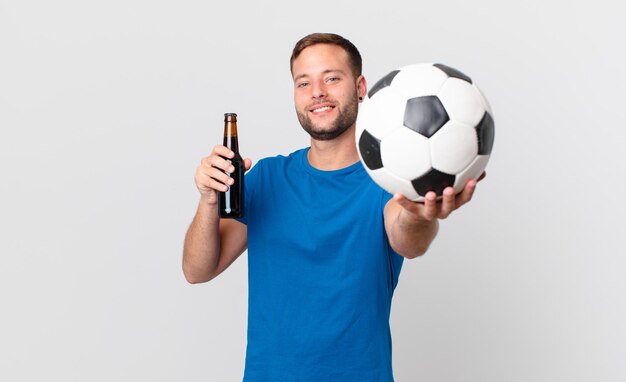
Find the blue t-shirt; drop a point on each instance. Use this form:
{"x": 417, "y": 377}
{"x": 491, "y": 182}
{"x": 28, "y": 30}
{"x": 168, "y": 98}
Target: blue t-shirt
{"x": 321, "y": 274}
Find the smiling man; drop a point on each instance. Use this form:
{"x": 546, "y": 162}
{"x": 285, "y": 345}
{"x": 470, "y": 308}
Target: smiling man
{"x": 325, "y": 243}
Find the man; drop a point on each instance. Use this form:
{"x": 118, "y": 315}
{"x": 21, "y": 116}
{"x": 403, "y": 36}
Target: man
{"x": 325, "y": 243}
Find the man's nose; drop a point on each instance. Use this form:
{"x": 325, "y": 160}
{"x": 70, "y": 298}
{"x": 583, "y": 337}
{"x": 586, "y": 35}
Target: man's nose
{"x": 319, "y": 89}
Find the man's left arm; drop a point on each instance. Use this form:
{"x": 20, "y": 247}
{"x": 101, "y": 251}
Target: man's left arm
{"x": 412, "y": 226}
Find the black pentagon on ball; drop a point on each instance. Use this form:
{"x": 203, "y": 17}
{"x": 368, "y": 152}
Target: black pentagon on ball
{"x": 433, "y": 180}
{"x": 369, "y": 146}
{"x": 382, "y": 83}
{"x": 425, "y": 115}
{"x": 485, "y": 131}
{"x": 451, "y": 72}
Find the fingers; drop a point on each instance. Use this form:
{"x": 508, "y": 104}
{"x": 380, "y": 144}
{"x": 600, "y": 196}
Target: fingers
{"x": 223, "y": 151}
{"x": 448, "y": 203}
{"x": 211, "y": 174}
{"x": 426, "y": 210}
{"x": 431, "y": 208}
{"x": 217, "y": 162}
{"x": 468, "y": 191}
{"x": 209, "y": 178}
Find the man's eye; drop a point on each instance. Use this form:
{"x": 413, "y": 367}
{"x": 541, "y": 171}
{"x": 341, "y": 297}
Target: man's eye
{"x": 332, "y": 79}
{"x": 303, "y": 84}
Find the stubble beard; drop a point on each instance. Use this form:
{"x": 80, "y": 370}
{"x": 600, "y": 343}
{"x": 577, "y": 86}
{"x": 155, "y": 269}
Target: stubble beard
{"x": 345, "y": 119}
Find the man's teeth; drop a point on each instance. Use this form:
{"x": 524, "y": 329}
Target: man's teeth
{"x": 321, "y": 109}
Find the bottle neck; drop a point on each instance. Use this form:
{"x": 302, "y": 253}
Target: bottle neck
{"x": 230, "y": 128}
{"x": 232, "y": 143}
{"x": 230, "y": 136}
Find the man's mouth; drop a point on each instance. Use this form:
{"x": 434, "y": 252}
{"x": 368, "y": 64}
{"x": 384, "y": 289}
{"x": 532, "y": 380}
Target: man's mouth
{"x": 321, "y": 108}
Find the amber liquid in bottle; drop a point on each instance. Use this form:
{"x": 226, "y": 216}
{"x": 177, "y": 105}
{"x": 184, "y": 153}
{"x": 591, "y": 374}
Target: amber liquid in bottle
{"x": 231, "y": 202}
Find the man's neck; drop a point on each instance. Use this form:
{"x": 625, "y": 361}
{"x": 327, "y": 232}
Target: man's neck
{"x": 335, "y": 154}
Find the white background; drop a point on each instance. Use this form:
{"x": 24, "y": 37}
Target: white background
{"x": 107, "y": 107}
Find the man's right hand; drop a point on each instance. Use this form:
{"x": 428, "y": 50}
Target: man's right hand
{"x": 211, "y": 174}
{"x": 211, "y": 243}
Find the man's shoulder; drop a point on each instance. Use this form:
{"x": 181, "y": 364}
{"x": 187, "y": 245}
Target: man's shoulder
{"x": 281, "y": 160}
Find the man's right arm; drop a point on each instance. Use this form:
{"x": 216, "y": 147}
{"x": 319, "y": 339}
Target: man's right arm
{"x": 212, "y": 244}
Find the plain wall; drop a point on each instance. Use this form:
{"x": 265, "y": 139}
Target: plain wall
{"x": 106, "y": 109}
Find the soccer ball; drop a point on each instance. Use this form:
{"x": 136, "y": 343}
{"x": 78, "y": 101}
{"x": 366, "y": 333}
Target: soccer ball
{"x": 422, "y": 128}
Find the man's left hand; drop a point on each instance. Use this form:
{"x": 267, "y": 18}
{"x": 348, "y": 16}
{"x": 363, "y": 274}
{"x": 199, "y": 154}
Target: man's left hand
{"x": 431, "y": 208}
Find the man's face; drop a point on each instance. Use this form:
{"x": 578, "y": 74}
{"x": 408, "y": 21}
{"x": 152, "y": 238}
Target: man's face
{"x": 325, "y": 91}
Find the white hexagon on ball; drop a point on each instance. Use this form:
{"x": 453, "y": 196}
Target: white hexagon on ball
{"x": 418, "y": 80}
{"x": 380, "y": 118}
{"x": 462, "y": 101}
{"x": 405, "y": 153}
{"x": 453, "y": 147}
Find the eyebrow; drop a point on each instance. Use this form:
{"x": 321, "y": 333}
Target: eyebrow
{"x": 324, "y": 72}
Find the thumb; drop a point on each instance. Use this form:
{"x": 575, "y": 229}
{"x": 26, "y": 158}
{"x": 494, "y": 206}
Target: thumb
{"x": 247, "y": 163}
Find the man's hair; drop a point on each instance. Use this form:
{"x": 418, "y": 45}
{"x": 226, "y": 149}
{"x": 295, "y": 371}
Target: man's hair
{"x": 329, "y": 38}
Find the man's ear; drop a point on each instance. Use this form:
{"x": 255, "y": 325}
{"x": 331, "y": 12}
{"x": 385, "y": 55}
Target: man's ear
{"x": 361, "y": 87}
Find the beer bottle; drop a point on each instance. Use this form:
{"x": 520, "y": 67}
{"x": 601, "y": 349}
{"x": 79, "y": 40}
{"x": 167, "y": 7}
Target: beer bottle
{"x": 231, "y": 202}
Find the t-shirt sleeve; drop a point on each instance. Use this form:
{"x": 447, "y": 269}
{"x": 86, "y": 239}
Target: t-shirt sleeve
{"x": 395, "y": 260}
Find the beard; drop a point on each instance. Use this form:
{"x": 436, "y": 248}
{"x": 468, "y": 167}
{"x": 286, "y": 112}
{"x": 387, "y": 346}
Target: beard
{"x": 345, "y": 119}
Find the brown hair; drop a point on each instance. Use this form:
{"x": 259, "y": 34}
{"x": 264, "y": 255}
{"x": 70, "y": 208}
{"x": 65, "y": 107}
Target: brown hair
{"x": 329, "y": 38}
